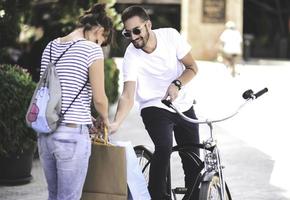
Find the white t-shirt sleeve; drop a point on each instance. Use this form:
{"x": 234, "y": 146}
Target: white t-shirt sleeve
{"x": 129, "y": 67}
{"x": 181, "y": 45}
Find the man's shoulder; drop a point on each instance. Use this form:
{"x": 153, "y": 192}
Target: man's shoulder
{"x": 165, "y": 30}
{"x": 167, "y": 33}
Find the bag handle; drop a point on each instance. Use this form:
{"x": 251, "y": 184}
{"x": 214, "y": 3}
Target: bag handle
{"x": 101, "y": 137}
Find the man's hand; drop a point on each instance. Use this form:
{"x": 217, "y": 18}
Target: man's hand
{"x": 114, "y": 126}
{"x": 171, "y": 93}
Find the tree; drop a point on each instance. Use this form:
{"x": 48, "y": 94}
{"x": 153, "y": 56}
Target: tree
{"x": 27, "y": 26}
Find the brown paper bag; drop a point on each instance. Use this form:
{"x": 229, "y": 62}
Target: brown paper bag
{"x": 106, "y": 178}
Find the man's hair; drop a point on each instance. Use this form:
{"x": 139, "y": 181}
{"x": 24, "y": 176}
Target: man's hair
{"x": 133, "y": 11}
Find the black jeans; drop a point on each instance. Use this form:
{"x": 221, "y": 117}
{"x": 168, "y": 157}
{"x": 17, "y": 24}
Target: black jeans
{"x": 160, "y": 124}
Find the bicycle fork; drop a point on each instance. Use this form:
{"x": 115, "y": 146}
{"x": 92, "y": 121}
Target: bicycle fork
{"x": 213, "y": 164}
{"x": 213, "y": 161}
{"x": 221, "y": 177}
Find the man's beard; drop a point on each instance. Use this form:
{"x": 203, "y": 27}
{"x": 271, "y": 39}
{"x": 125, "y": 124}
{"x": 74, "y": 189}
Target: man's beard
{"x": 142, "y": 41}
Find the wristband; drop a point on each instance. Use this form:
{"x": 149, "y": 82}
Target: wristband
{"x": 177, "y": 83}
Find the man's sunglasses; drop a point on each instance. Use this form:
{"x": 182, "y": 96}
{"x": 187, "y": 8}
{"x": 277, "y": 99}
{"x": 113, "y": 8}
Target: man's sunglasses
{"x": 136, "y": 31}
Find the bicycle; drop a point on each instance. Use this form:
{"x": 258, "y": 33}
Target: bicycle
{"x": 210, "y": 183}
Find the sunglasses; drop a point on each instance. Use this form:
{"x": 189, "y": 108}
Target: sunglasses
{"x": 136, "y": 31}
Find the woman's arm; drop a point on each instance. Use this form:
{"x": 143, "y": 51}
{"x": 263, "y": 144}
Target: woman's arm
{"x": 97, "y": 80}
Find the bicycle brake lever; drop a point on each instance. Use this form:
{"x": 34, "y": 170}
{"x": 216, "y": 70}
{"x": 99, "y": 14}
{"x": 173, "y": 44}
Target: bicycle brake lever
{"x": 248, "y": 94}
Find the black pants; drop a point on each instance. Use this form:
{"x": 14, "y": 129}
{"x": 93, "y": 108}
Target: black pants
{"x": 160, "y": 124}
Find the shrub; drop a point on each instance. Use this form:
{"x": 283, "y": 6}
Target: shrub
{"x": 16, "y": 89}
{"x": 111, "y": 80}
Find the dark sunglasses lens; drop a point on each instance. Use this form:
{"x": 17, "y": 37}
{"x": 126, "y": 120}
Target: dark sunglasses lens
{"x": 127, "y": 34}
{"x": 136, "y": 31}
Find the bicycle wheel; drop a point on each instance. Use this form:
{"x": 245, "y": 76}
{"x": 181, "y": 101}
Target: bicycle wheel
{"x": 144, "y": 156}
{"x": 211, "y": 190}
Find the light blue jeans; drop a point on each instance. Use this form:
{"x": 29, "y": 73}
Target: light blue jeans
{"x": 64, "y": 156}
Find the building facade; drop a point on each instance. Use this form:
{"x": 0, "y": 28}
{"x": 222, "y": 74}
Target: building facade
{"x": 204, "y": 20}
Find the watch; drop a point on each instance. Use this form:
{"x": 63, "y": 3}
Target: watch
{"x": 177, "y": 83}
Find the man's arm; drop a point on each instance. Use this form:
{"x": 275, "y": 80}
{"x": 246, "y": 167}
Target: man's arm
{"x": 190, "y": 69}
{"x": 125, "y": 104}
{"x": 189, "y": 72}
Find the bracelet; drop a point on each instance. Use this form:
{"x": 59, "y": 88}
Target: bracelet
{"x": 177, "y": 83}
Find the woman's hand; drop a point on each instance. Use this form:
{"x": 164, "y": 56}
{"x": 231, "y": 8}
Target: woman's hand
{"x": 99, "y": 125}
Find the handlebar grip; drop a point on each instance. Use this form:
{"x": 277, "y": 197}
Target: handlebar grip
{"x": 261, "y": 92}
{"x": 166, "y": 102}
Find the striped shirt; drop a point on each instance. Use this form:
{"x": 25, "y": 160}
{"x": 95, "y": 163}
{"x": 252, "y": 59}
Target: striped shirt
{"x": 73, "y": 71}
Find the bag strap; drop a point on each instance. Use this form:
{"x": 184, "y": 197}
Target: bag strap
{"x": 62, "y": 114}
{"x": 50, "y": 60}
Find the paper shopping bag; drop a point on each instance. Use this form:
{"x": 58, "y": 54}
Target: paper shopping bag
{"x": 106, "y": 177}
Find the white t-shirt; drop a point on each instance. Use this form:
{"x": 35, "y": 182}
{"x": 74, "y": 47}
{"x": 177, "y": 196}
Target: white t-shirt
{"x": 153, "y": 72}
{"x": 232, "y": 40}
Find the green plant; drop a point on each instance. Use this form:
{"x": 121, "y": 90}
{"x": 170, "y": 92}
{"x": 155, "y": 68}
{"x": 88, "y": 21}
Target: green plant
{"x": 111, "y": 80}
{"x": 16, "y": 89}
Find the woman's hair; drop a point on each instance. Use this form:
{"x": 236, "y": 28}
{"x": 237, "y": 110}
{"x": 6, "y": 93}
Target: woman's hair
{"x": 133, "y": 11}
{"x": 97, "y": 16}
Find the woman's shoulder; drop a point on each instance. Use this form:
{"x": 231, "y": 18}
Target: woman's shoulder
{"x": 88, "y": 47}
{"x": 83, "y": 43}
{"x": 89, "y": 44}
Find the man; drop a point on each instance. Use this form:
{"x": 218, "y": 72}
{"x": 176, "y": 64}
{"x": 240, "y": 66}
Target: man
{"x": 158, "y": 65}
{"x": 231, "y": 45}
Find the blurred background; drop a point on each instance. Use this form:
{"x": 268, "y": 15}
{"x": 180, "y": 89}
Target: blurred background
{"x": 26, "y": 26}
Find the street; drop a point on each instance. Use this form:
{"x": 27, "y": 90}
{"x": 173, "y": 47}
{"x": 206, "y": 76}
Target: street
{"x": 253, "y": 144}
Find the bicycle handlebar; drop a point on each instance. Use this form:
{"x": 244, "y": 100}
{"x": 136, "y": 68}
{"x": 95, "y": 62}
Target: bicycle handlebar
{"x": 248, "y": 95}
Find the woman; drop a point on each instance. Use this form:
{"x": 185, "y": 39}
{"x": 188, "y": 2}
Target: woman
{"x": 64, "y": 154}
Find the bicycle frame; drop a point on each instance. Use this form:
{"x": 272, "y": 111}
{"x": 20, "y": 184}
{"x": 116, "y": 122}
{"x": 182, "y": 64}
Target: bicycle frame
{"x": 212, "y": 162}
{"x": 212, "y": 159}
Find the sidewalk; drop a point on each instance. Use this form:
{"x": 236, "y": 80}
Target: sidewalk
{"x": 252, "y": 149}
{"x": 35, "y": 190}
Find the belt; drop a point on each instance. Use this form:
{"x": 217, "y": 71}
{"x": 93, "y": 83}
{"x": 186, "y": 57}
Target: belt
{"x": 71, "y": 125}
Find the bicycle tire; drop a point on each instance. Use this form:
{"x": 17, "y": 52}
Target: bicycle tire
{"x": 211, "y": 190}
{"x": 144, "y": 156}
